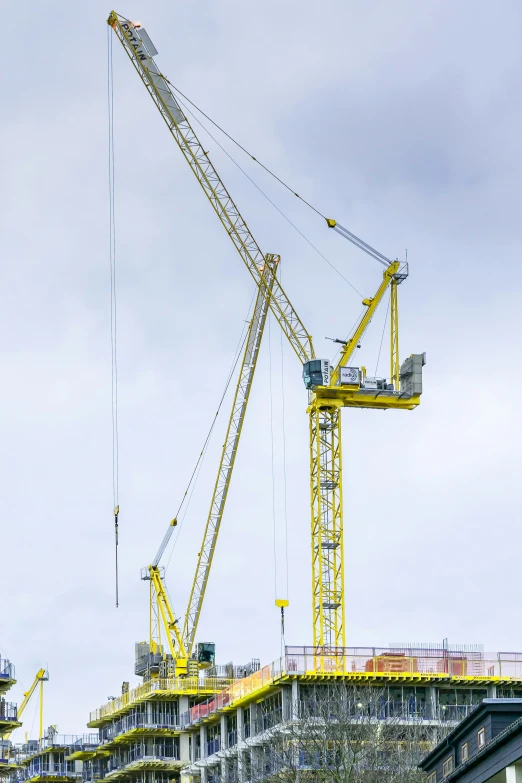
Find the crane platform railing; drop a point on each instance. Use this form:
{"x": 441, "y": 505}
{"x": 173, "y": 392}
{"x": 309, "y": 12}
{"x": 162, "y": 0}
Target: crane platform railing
{"x": 158, "y": 688}
{"x": 384, "y": 664}
{"x": 7, "y": 670}
{"x": 8, "y": 711}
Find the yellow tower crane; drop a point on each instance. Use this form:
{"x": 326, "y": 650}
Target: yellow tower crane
{"x": 41, "y": 676}
{"x": 179, "y": 643}
{"x": 330, "y": 389}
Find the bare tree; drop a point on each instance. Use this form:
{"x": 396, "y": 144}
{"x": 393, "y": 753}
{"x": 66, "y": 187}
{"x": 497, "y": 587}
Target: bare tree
{"x": 344, "y": 734}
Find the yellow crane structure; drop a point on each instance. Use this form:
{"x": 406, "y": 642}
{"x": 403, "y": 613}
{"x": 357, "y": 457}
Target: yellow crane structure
{"x": 330, "y": 389}
{"x": 180, "y": 642}
{"x": 42, "y": 675}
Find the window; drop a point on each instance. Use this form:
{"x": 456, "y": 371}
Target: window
{"x": 447, "y": 766}
{"x": 432, "y": 778}
{"x": 481, "y": 737}
{"x": 464, "y": 752}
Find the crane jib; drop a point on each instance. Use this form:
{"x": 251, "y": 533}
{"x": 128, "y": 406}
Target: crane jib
{"x": 134, "y": 42}
{"x": 210, "y": 181}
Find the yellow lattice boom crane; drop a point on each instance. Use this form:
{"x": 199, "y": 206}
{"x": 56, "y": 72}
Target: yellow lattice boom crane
{"x": 42, "y": 675}
{"x": 330, "y": 388}
{"x": 177, "y": 654}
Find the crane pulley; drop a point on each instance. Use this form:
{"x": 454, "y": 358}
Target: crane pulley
{"x": 330, "y": 390}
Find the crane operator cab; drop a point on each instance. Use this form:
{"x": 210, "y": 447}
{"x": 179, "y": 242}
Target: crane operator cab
{"x": 316, "y": 373}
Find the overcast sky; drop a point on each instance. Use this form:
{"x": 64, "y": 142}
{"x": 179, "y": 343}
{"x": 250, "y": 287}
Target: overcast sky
{"x": 402, "y": 121}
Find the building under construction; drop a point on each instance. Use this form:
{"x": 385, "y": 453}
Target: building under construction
{"x": 208, "y": 729}
{"x": 8, "y": 715}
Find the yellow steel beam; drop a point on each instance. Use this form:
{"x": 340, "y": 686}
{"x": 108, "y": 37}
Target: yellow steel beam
{"x": 394, "y": 336}
{"x": 41, "y": 676}
{"x": 362, "y": 398}
{"x": 209, "y": 179}
{"x": 327, "y": 527}
{"x": 170, "y": 624}
{"x": 229, "y": 450}
{"x": 325, "y": 440}
{"x": 371, "y": 304}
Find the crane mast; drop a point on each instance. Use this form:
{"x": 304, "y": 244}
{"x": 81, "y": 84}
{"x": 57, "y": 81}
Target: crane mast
{"x": 329, "y": 391}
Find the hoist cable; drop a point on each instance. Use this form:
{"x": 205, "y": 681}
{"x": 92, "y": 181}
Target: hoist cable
{"x": 245, "y": 150}
{"x": 112, "y": 264}
{"x": 272, "y": 453}
{"x": 187, "y": 495}
{"x": 278, "y": 209}
{"x": 285, "y": 504}
{"x": 353, "y": 238}
{"x": 382, "y": 338}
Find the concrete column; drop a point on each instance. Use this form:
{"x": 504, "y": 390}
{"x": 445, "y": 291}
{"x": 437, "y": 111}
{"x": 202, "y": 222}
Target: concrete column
{"x": 492, "y": 691}
{"x": 240, "y": 724}
{"x": 286, "y": 701}
{"x": 240, "y": 744}
{"x": 203, "y": 740}
{"x": 184, "y": 751}
{"x": 431, "y": 703}
{"x": 224, "y": 740}
{"x": 513, "y": 774}
{"x": 204, "y": 775}
{"x": 295, "y": 699}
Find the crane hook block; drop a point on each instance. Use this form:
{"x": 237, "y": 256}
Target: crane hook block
{"x": 116, "y": 510}
{"x": 331, "y": 223}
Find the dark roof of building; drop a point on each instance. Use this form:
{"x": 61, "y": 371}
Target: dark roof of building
{"x": 476, "y": 717}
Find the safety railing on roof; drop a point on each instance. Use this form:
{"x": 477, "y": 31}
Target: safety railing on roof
{"x": 147, "y": 689}
{"x": 237, "y": 690}
{"x": 7, "y": 669}
{"x": 69, "y": 742}
{"x": 140, "y": 721}
{"x": 77, "y": 742}
{"x": 8, "y": 711}
{"x": 365, "y": 662}
{"x": 436, "y": 663}
{"x": 46, "y": 769}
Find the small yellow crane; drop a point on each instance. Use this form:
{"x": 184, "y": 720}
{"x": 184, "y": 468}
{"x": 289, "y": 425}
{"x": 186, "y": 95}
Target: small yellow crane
{"x": 42, "y": 675}
{"x": 330, "y": 389}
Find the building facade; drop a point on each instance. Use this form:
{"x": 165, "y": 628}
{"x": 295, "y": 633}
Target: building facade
{"x": 217, "y": 730}
{"x": 8, "y": 716}
{"x": 485, "y": 746}
{"x": 55, "y": 758}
